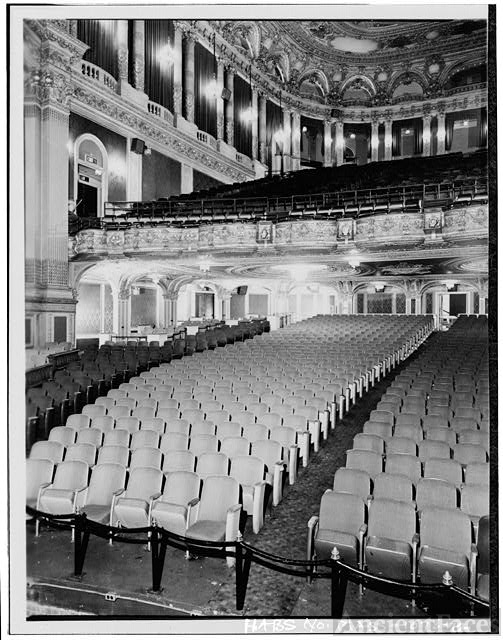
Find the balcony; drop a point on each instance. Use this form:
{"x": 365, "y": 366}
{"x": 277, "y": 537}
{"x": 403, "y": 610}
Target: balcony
{"x": 96, "y": 74}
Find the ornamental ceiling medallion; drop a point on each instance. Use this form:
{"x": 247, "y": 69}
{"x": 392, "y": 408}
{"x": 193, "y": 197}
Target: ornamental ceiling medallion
{"x": 405, "y": 268}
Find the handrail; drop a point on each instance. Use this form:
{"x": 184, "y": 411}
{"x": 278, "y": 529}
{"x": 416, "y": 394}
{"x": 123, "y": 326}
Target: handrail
{"x": 159, "y": 538}
{"x": 211, "y": 206}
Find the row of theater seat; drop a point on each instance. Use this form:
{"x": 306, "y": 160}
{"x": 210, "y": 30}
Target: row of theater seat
{"x": 49, "y": 404}
{"x": 203, "y": 507}
{"x": 451, "y": 495}
{"x": 243, "y": 364}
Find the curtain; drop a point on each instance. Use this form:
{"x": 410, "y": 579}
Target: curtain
{"x": 418, "y": 136}
{"x": 273, "y": 124}
{"x": 242, "y": 128}
{"x": 483, "y": 127}
{"x": 205, "y": 105}
{"x": 396, "y": 131}
{"x": 100, "y": 36}
{"x": 449, "y": 127}
{"x": 158, "y": 69}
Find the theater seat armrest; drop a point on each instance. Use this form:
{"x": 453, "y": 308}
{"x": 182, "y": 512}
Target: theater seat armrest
{"x": 362, "y": 532}
{"x": 232, "y": 528}
{"x": 192, "y": 511}
{"x": 41, "y": 490}
{"x": 258, "y": 505}
{"x": 293, "y": 454}
{"x": 415, "y": 545}
{"x": 151, "y": 500}
{"x": 115, "y": 497}
{"x": 312, "y": 528}
{"x": 277, "y": 483}
{"x": 474, "y": 553}
{"x": 79, "y": 497}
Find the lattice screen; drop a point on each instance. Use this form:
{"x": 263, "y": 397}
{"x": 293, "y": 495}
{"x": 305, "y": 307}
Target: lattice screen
{"x": 87, "y": 314}
{"x": 379, "y": 303}
{"x": 144, "y": 307}
{"x": 429, "y": 303}
{"x": 400, "y": 302}
{"x": 257, "y": 303}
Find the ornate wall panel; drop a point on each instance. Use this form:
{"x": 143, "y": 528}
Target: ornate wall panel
{"x": 87, "y": 317}
{"x": 469, "y": 221}
{"x": 407, "y": 227}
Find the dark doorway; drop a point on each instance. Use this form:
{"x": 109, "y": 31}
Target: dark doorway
{"x": 457, "y": 304}
{"x": 205, "y": 305}
{"x": 87, "y": 201}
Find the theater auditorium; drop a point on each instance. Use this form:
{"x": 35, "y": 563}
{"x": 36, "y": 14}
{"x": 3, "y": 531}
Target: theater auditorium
{"x": 256, "y": 318}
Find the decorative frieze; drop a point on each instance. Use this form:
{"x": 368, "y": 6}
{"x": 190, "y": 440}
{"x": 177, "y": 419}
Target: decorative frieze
{"x": 159, "y": 132}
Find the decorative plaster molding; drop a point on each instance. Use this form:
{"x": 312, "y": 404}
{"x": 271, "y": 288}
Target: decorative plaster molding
{"x": 161, "y": 132}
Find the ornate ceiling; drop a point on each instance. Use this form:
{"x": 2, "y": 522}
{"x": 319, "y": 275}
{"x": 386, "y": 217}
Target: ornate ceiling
{"x": 359, "y": 61}
{"x": 326, "y": 270}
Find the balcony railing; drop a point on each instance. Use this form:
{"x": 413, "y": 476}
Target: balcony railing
{"x": 206, "y": 138}
{"x": 357, "y": 203}
{"x": 97, "y": 74}
{"x": 159, "y": 111}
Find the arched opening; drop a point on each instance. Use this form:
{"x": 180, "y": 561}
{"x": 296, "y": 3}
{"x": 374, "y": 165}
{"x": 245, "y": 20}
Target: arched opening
{"x": 90, "y": 181}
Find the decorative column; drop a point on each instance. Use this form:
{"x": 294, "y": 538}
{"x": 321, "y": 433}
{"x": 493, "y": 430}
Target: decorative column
{"x": 427, "y": 135}
{"x": 374, "y": 140}
{"x": 388, "y": 139}
{"x": 254, "y": 123}
{"x": 295, "y": 164}
{"x": 262, "y": 128}
{"x": 166, "y": 301}
{"x": 229, "y": 107}
{"x": 121, "y": 312}
{"x": 134, "y": 163}
{"x": 220, "y": 101}
{"x": 339, "y": 142}
{"x": 327, "y": 139}
{"x": 139, "y": 54}
{"x": 122, "y": 51}
{"x": 440, "y": 132}
{"x": 49, "y": 53}
{"x": 102, "y": 308}
{"x": 189, "y": 76}
{"x": 287, "y": 140}
{"x": 226, "y": 299}
{"x": 160, "y": 317}
{"x": 177, "y": 70}
{"x": 187, "y": 179}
